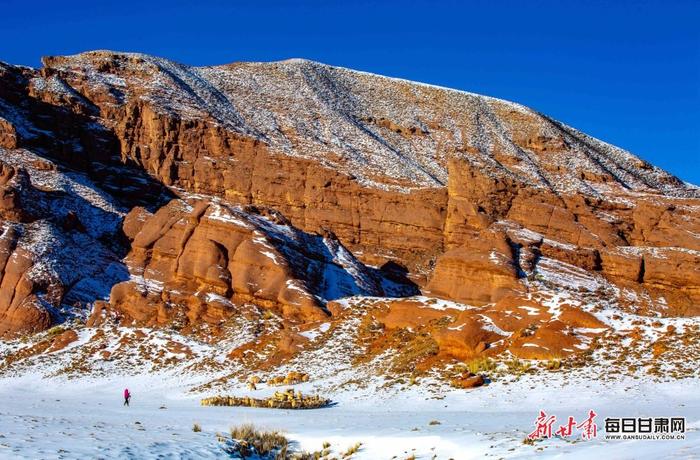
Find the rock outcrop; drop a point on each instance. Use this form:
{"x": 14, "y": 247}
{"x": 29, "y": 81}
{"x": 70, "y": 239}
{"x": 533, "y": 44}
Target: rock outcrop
{"x": 53, "y": 256}
{"x": 203, "y": 260}
{"x": 183, "y": 195}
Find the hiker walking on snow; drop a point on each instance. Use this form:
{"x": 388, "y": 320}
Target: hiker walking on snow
{"x": 127, "y": 396}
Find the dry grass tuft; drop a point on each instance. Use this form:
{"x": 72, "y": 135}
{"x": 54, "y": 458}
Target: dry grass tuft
{"x": 411, "y": 350}
{"x": 249, "y": 442}
{"x": 481, "y": 365}
{"x": 553, "y": 364}
{"x": 54, "y": 331}
{"x": 517, "y": 367}
{"x": 352, "y": 450}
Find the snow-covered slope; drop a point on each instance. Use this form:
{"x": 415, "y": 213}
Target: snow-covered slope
{"x": 85, "y": 419}
{"x": 189, "y": 231}
{"x": 384, "y": 131}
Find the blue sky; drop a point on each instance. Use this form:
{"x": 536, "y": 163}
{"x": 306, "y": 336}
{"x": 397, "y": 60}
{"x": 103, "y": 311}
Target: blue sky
{"x": 625, "y": 72}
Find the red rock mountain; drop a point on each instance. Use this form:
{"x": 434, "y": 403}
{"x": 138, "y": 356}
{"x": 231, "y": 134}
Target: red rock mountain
{"x": 153, "y": 192}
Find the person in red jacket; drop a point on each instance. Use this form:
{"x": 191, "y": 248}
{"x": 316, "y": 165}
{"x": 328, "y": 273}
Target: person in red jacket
{"x": 127, "y": 396}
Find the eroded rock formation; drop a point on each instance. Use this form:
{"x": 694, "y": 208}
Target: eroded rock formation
{"x": 294, "y": 180}
{"x": 212, "y": 258}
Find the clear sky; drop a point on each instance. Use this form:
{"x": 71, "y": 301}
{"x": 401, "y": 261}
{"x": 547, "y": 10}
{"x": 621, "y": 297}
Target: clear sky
{"x": 627, "y": 72}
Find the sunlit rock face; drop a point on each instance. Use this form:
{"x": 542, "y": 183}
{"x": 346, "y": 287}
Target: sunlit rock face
{"x": 164, "y": 193}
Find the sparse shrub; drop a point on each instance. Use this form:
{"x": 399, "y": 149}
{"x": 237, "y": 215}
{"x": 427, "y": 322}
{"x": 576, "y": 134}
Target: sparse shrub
{"x": 481, "y": 364}
{"x": 54, "y": 331}
{"x": 249, "y": 442}
{"x": 324, "y": 453}
{"x": 517, "y": 366}
{"x": 434, "y": 422}
{"x": 196, "y": 427}
{"x": 414, "y": 348}
{"x": 352, "y": 450}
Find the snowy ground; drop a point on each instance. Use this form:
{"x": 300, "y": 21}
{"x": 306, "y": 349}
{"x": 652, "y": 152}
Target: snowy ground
{"x": 54, "y": 418}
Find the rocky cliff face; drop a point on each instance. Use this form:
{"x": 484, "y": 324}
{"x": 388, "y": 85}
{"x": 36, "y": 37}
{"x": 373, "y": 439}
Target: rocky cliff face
{"x": 212, "y": 259}
{"x": 174, "y": 194}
